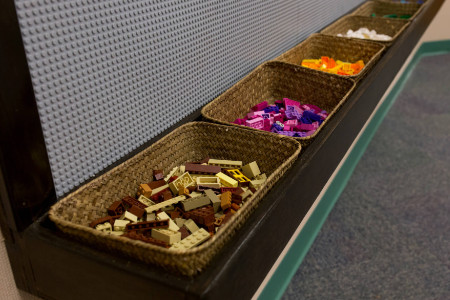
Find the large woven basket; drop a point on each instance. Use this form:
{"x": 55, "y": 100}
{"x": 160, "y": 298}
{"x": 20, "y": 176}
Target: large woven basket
{"x": 190, "y": 142}
{"x": 390, "y": 27}
{"x": 338, "y": 48}
{"x": 274, "y": 81}
{"x": 381, "y": 8}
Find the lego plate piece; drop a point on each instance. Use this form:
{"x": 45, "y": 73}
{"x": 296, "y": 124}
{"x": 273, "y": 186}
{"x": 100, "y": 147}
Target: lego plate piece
{"x": 192, "y": 240}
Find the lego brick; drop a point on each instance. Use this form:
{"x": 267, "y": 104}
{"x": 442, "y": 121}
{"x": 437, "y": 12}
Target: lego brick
{"x": 109, "y": 219}
{"x": 156, "y": 184}
{"x": 176, "y": 213}
{"x": 202, "y": 216}
{"x": 116, "y": 209}
{"x": 190, "y": 225}
{"x": 158, "y": 175}
{"x": 215, "y": 201}
{"x": 171, "y": 173}
{"x": 227, "y": 180}
{"x": 164, "y": 204}
{"x": 130, "y": 201}
{"x": 165, "y": 216}
{"x": 130, "y": 216}
{"x": 251, "y": 170}
{"x": 201, "y": 169}
{"x": 166, "y": 235}
{"x": 257, "y": 183}
{"x": 225, "y": 200}
{"x": 192, "y": 203}
{"x": 159, "y": 189}
{"x": 145, "y": 201}
{"x": 234, "y": 206}
{"x": 212, "y": 182}
{"x": 145, "y": 190}
{"x": 225, "y": 163}
{"x": 118, "y": 233}
{"x": 140, "y": 237}
{"x": 147, "y": 225}
{"x": 180, "y": 221}
{"x": 184, "y": 180}
{"x": 237, "y": 175}
{"x": 193, "y": 240}
{"x": 262, "y": 176}
{"x": 184, "y": 232}
{"x": 119, "y": 225}
{"x": 104, "y": 227}
{"x": 137, "y": 211}
{"x": 151, "y": 217}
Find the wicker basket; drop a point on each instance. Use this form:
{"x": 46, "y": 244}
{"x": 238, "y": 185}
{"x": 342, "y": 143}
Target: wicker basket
{"x": 390, "y": 27}
{"x": 276, "y": 80}
{"x": 190, "y": 142}
{"x": 338, "y": 48}
{"x": 381, "y": 8}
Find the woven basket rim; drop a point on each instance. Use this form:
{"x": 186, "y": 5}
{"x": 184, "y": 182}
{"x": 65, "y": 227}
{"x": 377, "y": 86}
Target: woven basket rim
{"x": 248, "y": 77}
{"x": 376, "y": 2}
{"x": 53, "y": 215}
{"x": 405, "y": 23}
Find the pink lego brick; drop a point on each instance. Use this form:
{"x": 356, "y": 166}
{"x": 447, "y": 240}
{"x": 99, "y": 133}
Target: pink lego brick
{"x": 288, "y": 101}
{"x": 306, "y": 127}
{"x": 288, "y": 128}
{"x": 267, "y": 124}
{"x": 255, "y": 114}
{"x": 257, "y": 123}
{"x": 260, "y": 106}
{"x": 277, "y": 117}
{"x": 239, "y": 121}
{"x": 298, "y": 109}
{"x": 315, "y": 124}
{"x": 292, "y": 123}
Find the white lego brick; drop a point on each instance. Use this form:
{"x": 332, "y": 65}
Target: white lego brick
{"x": 191, "y": 226}
{"x": 164, "y": 216}
{"x": 180, "y": 221}
{"x": 166, "y": 235}
{"x": 192, "y": 240}
{"x": 130, "y": 216}
{"x": 251, "y": 170}
{"x": 151, "y": 217}
{"x": 193, "y": 203}
{"x": 144, "y": 200}
{"x": 164, "y": 204}
{"x": 119, "y": 225}
{"x": 215, "y": 201}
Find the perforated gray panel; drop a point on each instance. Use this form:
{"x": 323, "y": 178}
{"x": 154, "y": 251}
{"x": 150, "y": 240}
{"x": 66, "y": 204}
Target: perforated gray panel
{"x": 109, "y": 75}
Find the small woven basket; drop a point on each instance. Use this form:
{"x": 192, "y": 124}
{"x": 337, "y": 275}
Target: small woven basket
{"x": 190, "y": 142}
{"x": 277, "y": 80}
{"x": 338, "y": 48}
{"x": 381, "y": 8}
{"x": 390, "y": 27}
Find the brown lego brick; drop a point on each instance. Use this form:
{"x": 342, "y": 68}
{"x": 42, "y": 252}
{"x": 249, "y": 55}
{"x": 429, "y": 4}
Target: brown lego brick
{"x": 202, "y": 216}
{"x": 145, "y": 190}
{"x": 159, "y": 197}
{"x": 234, "y": 206}
{"x": 158, "y": 175}
{"x": 173, "y": 178}
{"x": 184, "y": 232}
{"x": 141, "y": 237}
{"x": 228, "y": 189}
{"x": 116, "y": 209}
{"x": 109, "y": 219}
{"x": 147, "y": 225}
{"x": 130, "y": 201}
{"x": 156, "y": 184}
{"x": 137, "y": 211}
{"x": 202, "y": 169}
{"x": 176, "y": 213}
{"x": 227, "y": 217}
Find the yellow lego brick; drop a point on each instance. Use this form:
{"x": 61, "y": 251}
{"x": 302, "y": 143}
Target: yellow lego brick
{"x": 227, "y": 180}
{"x": 237, "y": 175}
{"x": 192, "y": 240}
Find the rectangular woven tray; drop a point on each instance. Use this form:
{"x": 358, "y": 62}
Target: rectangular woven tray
{"x": 274, "y": 81}
{"x": 190, "y": 142}
{"x": 381, "y": 8}
{"x": 338, "y": 48}
{"x": 390, "y": 27}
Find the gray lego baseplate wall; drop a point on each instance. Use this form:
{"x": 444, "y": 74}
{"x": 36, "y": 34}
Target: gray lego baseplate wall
{"x": 109, "y": 75}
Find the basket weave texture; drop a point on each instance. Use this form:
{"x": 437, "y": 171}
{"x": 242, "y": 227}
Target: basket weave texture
{"x": 381, "y": 8}
{"x": 277, "y": 80}
{"x": 338, "y": 48}
{"x": 390, "y": 27}
{"x": 190, "y": 142}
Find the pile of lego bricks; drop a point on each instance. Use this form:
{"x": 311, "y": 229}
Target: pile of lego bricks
{"x": 186, "y": 207}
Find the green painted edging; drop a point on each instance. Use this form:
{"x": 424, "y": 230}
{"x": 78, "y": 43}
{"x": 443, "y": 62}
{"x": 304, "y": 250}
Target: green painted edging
{"x": 289, "y": 265}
